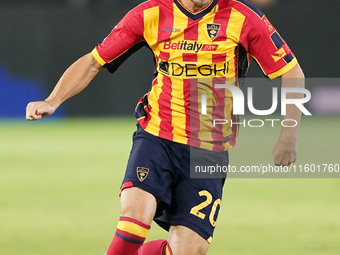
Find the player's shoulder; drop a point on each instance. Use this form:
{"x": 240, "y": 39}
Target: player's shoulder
{"x": 245, "y": 8}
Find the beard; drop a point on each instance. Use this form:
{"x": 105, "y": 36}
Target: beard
{"x": 200, "y": 3}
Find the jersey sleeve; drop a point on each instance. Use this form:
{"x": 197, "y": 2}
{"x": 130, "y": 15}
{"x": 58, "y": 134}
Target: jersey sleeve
{"x": 266, "y": 46}
{"x": 126, "y": 38}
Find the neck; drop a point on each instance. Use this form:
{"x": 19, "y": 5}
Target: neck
{"x": 195, "y": 5}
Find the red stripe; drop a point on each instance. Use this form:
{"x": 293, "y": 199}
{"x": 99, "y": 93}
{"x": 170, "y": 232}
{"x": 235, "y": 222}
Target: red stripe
{"x": 123, "y": 218}
{"x": 218, "y": 113}
{"x": 148, "y": 109}
{"x": 164, "y": 104}
{"x": 232, "y": 141}
{"x": 129, "y": 235}
{"x": 189, "y": 57}
{"x": 194, "y": 123}
{"x": 234, "y": 118}
{"x": 218, "y": 110}
{"x": 191, "y": 32}
{"x": 126, "y": 185}
{"x": 221, "y": 18}
{"x": 166, "y": 21}
{"x": 164, "y": 55}
{"x": 217, "y": 58}
{"x": 186, "y": 97}
{"x": 165, "y": 112}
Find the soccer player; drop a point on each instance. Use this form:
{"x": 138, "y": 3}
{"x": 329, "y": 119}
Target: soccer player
{"x": 195, "y": 42}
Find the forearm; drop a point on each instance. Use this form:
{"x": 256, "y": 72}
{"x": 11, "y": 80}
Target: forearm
{"x": 293, "y": 79}
{"x": 285, "y": 150}
{"x": 74, "y": 80}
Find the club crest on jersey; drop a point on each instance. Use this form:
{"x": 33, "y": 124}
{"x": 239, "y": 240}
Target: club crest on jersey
{"x": 213, "y": 30}
{"x": 142, "y": 173}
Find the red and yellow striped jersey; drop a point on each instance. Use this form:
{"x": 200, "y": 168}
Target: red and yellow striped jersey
{"x": 193, "y": 52}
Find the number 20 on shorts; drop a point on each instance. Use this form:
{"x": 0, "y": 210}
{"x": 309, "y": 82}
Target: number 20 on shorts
{"x": 196, "y": 209}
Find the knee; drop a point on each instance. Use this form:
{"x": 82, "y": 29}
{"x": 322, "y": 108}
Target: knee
{"x": 197, "y": 250}
{"x": 184, "y": 241}
{"x": 138, "y": 204}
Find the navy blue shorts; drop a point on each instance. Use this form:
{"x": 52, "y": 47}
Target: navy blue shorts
{"x": 161, "y": 167}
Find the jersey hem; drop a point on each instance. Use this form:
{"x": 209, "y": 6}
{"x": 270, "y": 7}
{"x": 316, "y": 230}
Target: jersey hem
{"x": 283, "y": 70}
{"x": 185, "y": 140}
{"x": 97, "y": 57}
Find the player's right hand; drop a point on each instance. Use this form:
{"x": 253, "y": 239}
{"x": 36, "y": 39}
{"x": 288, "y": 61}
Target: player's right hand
{"x": 39, "y": 109}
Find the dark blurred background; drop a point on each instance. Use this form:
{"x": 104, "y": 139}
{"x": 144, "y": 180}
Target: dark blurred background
{"x": 39, "y": 39}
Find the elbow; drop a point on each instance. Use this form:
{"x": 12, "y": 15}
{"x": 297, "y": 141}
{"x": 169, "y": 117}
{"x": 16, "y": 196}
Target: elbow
{"x": 94, "y": 64}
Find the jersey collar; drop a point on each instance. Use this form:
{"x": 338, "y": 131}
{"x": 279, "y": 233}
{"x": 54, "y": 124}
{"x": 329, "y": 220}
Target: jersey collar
{"x": 196, "y": 15}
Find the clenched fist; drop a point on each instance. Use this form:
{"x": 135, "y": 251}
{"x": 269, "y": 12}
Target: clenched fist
{"x": 285, "y": 153}
{"x": 39, "y": 109}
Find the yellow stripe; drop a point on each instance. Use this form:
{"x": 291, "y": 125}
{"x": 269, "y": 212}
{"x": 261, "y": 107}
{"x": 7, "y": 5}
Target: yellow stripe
{"x": 167, "y": 251}
{"x": 181, "y": 22}
{"x": 178, "y": 113}
{"x": 151, "y": 18}
{"x": 132, "y": 228}
{"x": 97, "y": 57}
{"x": 228, "y": 106}
{"x": 283, "y": 70}
{"x": 227, "y": 146}
{"x": 235, "y": 25}
{"x": 207, "y": 146}
{"x": 206, "y": 124}
{"x": 177, "y": 94}
{"x": 234, "y": 29}
{"x": 153, "y": 126}
{"x": 209, "y": 239}
{"x": 203, "y": 37}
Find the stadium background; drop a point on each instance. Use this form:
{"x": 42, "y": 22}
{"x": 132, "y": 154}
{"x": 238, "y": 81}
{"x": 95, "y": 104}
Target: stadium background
{"x": 59, "y": 177}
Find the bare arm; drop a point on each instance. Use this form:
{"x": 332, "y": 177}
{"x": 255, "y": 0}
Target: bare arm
{"x": 74, "y": 80}
{"x": 285, "y": 150}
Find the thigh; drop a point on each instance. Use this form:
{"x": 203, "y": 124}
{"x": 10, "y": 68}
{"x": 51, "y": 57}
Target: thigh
{"x": 148, "y": 177}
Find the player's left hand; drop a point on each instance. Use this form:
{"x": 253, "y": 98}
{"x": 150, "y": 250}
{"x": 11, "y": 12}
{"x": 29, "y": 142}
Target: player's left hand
{"x": 285, "y": 153}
